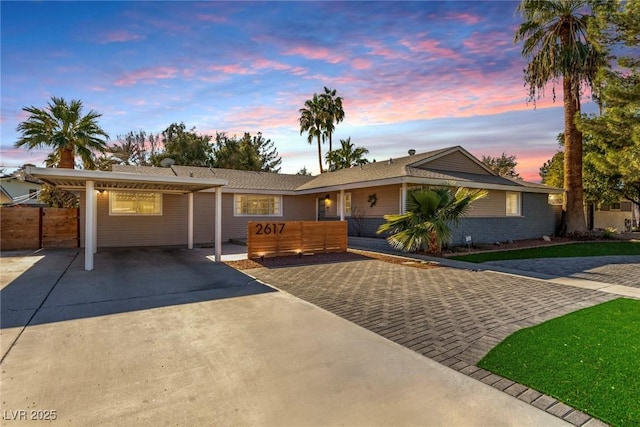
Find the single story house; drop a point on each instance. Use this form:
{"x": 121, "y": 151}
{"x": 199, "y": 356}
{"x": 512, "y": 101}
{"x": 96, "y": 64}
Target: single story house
{"x": 184, "y": 205}
{"x": 19, "y": 191}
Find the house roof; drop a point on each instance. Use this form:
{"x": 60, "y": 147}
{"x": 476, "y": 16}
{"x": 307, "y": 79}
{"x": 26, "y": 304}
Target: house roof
{"x": 236, "y": 179}
{"x": 412, "y": 169}
{"x": 73, "y": 179}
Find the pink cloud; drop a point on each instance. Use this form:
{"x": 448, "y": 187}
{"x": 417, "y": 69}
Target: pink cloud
{"x": 467, "y": 18}
{"x": 120, "y": 36}
{"x": 432, "y": 47}
{"x": 211, "y": 18}
{"x": 231, "y": 69}
{"x": 147, "y": 75}
{"x": 361, "y": 64}
{"x": 317, "y": 53}
{"x": 488, "y": 43}
{"x": 267, "y": 64}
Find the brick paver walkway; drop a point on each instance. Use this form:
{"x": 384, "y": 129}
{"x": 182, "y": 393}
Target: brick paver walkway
{"x": 616, "y": 270}
{"x": 452, "y": 316}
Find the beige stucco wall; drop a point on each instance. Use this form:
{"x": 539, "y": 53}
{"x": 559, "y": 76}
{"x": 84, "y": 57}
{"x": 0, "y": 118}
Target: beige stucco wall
{"x": 170, "y": 228}
{"x": 294, "y": 208}
{"x": 610, "y": 219}
{"x": 388, "y": 202}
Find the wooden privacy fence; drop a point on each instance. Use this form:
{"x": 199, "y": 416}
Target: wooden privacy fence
{"x": 35, "y": 228}
{"x": 295, "y": 237}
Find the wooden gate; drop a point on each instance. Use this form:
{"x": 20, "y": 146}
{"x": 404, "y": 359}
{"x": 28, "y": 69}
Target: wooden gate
{"x": 295, "y": 237}
{"x": 35, "y": 228}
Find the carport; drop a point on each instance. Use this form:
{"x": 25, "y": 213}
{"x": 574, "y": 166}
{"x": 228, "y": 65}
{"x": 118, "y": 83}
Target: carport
{"x": 91, "y": 182}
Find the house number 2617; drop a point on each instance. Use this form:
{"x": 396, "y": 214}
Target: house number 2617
{"x": 269, "y": 228}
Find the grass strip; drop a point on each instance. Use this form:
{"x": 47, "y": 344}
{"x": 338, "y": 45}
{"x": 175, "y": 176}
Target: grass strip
{"x": 557, "y": 251}
{"x": 588, "y": 359}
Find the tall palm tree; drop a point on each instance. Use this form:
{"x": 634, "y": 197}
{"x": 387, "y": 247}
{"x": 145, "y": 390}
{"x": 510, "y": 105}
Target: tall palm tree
{"x": 347, "y": 155}
{"x": 430, "y": 214}
{"x": 62, "y": 127}
{"x": 312, "y": 120}
{"x": 334, "y": 114}
{"x": 554, "y": 36}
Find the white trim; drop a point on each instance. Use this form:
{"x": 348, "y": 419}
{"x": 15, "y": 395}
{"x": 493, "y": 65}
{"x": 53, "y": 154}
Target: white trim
{"x": 427, "y": 181}
{"x": 89, "y": 229}
{"x": 519, "y": 204}
{"x": 190, "y": 221}
{"x": 247, "y": 215}
{"x": 112, "y": 193}
{"x": 218, "y": 225}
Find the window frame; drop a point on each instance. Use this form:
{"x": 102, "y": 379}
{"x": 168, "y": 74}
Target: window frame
{"x": 277, "y": 205}
{"x": 347, "y": 196}
{"x": 158, "y": 200}
{"x": 518, "y": 196}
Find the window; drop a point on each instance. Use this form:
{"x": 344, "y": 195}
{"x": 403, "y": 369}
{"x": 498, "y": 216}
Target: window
{"x": 347, "y": 204}
{"x": 513, "y": 204}
{"x": 555, "y": 199}
{"x": 257, "y": 204}
{"x": 135, "y": 203}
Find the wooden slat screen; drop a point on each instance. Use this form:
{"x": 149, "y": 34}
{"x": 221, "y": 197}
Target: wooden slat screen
{"x": 35, "y": 228}
{"x": 295, "y": 237}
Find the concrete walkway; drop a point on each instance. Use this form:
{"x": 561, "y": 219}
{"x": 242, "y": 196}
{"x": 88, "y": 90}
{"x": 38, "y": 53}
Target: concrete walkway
{"x": 166, "y": 337}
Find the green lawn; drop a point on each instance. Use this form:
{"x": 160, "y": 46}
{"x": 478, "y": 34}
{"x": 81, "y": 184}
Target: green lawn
{"x": 556, "y": 251}
{"x": 589, "y": 359}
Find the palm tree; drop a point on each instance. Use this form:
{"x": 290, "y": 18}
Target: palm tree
{"x": 430, "y": 213}
{"x": 347, "y": 155}
{"x": 313, "y": 120}
{"x": 62, "y": 127}
{"x": 334, "y": 114}
{"x": 554, "y": 36}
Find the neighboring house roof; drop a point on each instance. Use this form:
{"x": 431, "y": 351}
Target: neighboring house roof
{"x": 411, "y": 169}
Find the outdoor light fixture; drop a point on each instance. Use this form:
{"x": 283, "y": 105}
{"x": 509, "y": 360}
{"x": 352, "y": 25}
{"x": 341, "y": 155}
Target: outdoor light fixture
{"x": 327, "y": 197}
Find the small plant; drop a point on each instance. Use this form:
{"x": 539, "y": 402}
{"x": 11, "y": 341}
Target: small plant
{"x": 609, "y": 233}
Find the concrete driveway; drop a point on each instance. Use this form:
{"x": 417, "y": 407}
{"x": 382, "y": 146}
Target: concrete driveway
{"x": 166, "y": 337}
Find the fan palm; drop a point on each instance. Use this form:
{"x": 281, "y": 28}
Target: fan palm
{"x": 62, "y": 127}
{"x": 347, "y": 155}
{"x": 334, "y": 114}
{"x": 430, "y": 214}
{"x": 554, "y": 36}
{"x": 313, "y": 118}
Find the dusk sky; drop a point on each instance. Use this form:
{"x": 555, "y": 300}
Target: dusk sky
{"x": 421, "y": 75}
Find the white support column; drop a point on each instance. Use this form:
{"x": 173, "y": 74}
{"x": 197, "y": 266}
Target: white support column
{"x": 218, "y": 230}
{"x": 341, "y": 205}
{"x": 403, "y": 198}
{"x": 89, "y": 226}
{"x": 190, "y": 221}
{"x": 95, "y": 222}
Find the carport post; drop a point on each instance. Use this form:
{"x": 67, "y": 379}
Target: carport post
{"x": 190, "y": 221}
{"x": 341, "y": 205}
{"x": 89, "y": 229}
{"x": 403, "y": 198}
{"x": 95, "y": 221}
{"x": 218, "y": 230}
